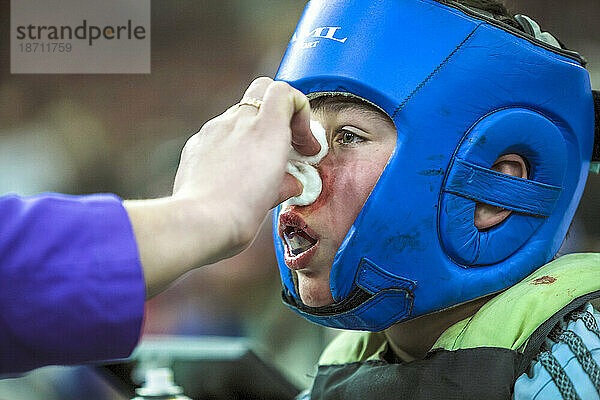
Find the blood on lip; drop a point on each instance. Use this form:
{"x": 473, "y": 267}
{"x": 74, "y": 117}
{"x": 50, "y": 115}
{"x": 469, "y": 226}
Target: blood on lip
{"x": 290, "y": 225}
{"x": 294, "y": 221}
{"x": 294, "y": 230}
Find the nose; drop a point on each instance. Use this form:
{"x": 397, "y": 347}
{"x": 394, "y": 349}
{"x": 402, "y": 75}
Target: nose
{"x": 304, "y": 168}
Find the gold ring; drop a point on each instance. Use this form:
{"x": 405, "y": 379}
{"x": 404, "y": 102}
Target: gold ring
{"x": 251, "y": 101}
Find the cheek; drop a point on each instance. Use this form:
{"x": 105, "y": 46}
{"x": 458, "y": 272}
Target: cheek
{"x": 347, "y": 182}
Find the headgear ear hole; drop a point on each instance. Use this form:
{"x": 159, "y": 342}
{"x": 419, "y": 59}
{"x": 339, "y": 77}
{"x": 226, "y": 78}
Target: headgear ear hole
{"x": 469, "y": 179}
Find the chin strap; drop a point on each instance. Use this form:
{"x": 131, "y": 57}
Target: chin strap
{"x": 377, "y": 296}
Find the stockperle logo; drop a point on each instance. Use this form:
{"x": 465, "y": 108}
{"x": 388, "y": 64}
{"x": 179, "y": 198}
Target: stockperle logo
{"x": 80, "y": 36}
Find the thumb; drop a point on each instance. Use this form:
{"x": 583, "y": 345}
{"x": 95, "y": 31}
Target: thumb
{"x": 302, "y": 138}
{"x": 290, "y": 187}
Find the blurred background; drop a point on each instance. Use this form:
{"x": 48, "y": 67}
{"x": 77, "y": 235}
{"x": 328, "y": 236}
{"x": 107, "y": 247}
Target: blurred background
{"x": 123, "y": 134}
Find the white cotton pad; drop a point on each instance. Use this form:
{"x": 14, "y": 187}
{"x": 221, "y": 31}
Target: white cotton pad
{"x": 303, "y": 168}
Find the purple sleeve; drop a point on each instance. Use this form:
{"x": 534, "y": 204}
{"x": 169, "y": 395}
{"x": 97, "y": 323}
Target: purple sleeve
{"x": 71, "y": 283}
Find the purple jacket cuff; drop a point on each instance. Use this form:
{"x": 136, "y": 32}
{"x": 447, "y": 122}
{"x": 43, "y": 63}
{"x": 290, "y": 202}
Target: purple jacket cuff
{"x": 71, "y": 283}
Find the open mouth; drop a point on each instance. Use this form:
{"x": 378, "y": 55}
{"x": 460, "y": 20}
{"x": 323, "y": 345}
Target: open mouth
{"x": 298, "y": 239}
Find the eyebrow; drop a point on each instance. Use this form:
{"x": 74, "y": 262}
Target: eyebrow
{"x": 337, "y": 105}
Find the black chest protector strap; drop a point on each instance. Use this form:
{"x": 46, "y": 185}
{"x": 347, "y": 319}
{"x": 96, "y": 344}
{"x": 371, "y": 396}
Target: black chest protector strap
{"x": 472, "y": 373}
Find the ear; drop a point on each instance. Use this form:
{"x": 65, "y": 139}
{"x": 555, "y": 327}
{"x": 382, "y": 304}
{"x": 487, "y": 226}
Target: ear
{"x": 488, "y": 216}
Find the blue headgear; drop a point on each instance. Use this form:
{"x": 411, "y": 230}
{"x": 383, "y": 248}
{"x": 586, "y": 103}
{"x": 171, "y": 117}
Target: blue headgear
{"x": 462, "y": 89}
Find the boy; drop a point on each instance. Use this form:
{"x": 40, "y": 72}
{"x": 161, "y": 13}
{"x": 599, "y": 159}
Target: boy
{"x": 460, "y": 141}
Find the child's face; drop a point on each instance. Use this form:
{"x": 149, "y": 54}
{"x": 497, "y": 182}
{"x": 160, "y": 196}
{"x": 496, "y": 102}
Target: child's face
{"x": 361, "y": 140}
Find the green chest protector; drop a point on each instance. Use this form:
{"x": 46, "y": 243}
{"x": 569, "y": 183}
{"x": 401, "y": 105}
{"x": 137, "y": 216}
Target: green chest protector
{"x": 480, "y": 357}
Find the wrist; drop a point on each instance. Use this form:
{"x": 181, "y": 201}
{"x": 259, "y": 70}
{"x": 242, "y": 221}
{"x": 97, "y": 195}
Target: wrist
{"x": 218, "y": 231}
{"x": 171, "y": 237}
{"x": 179, "y": 233}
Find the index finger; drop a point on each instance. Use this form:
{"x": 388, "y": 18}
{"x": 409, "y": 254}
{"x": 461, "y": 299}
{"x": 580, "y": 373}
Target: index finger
{"x": 284, "y": 104}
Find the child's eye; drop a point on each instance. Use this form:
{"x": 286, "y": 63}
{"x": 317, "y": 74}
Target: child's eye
{"x": 348, "y": 137}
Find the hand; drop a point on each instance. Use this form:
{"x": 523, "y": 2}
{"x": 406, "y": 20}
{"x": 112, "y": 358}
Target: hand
{"x": 230, "y": 174}
{"x": 236, "y": 163}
